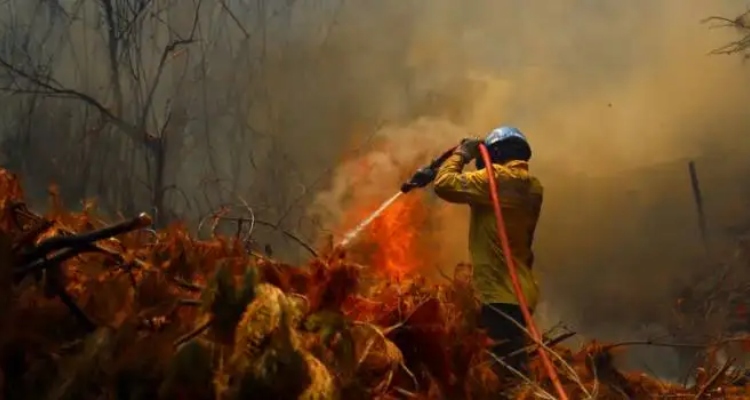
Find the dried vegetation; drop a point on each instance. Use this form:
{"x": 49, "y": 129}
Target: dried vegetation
{"x": 126, "y": 312}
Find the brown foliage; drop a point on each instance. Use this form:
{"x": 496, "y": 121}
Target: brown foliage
{"x": 165, "y": 315}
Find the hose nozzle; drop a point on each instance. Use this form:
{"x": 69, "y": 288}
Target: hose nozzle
{"x": 425, "y": 175}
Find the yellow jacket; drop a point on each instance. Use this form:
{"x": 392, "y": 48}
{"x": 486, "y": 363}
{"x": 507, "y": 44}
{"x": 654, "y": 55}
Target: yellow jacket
{"x": 521, "y": 199}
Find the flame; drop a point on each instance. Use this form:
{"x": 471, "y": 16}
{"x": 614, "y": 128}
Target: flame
{"x": 395, "y": 235}
{"x": 393, "y": 243}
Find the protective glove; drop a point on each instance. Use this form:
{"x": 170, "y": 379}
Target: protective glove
{"x": 421, "y": 178}
{"x": 468, "y": 149}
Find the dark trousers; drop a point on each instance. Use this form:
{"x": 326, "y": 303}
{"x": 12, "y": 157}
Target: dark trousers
{"x": 508, "y": 336}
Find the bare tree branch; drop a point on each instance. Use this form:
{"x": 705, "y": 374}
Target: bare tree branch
{"x": 740, "y": 23}
{"x": 51, "y": 89}
{"x": 168, "y": 50}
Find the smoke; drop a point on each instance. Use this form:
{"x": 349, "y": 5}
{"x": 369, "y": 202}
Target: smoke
{"x": 377, "y": 173}
{"x": 614, "y": 97}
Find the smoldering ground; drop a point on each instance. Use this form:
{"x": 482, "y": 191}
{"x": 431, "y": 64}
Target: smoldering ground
{"x": 615, "y": 98}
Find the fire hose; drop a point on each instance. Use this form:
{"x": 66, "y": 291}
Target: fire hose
{"x": 522, "y": 302}
{"x": 423, "y": 177}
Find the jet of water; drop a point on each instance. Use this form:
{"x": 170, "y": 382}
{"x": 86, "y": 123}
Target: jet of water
{"x": 351, "y": 235}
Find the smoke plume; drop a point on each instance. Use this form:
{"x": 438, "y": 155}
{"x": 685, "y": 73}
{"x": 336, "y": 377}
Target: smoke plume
{"x": 615, "y": 97}
{"x": 306, "y": 108}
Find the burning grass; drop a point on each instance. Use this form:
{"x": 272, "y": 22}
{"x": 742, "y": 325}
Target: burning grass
{"x": 163, "y": 315}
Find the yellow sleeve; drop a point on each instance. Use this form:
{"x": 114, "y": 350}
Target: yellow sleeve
{"x": 453, "y": 185}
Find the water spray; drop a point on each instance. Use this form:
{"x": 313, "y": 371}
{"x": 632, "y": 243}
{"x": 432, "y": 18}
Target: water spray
{"x": 352, "y": 234}
{"x": 423, "y": 177}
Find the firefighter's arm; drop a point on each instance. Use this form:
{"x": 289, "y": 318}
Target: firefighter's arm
{"x": 453, "y": 185}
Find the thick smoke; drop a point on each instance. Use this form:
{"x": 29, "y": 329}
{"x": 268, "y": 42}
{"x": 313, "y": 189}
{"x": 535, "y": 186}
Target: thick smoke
{"x": 615, "y": 98}
{"x": 614, "y": 95}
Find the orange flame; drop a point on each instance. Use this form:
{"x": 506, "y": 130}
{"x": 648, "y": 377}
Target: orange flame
{"x": 395, "y": 234}
{"x": 393, "y": 243}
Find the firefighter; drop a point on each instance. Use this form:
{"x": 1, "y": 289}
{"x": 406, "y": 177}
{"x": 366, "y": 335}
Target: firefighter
{"x": 521, "y": 197}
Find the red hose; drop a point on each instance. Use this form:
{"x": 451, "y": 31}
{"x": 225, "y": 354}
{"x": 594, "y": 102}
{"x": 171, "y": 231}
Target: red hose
{"x": 522, "y": 302}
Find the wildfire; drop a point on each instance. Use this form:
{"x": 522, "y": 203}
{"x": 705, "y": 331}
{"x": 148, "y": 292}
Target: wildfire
{"x": 395, "y": 235}
{"x": 393, "y": 243}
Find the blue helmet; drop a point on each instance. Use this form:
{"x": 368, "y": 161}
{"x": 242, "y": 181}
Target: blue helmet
{"x": 503, "y": 135}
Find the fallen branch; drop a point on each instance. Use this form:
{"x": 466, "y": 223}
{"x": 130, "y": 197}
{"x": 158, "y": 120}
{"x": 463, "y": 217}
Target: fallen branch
{"x": 714, "y": 379}
{"x": 84, "y": 239}
{"x": 674, "y": 345}
{"x": 549, "y": 343}
{"x": 37, "y": 259}
{"x": 194, "y": 333}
